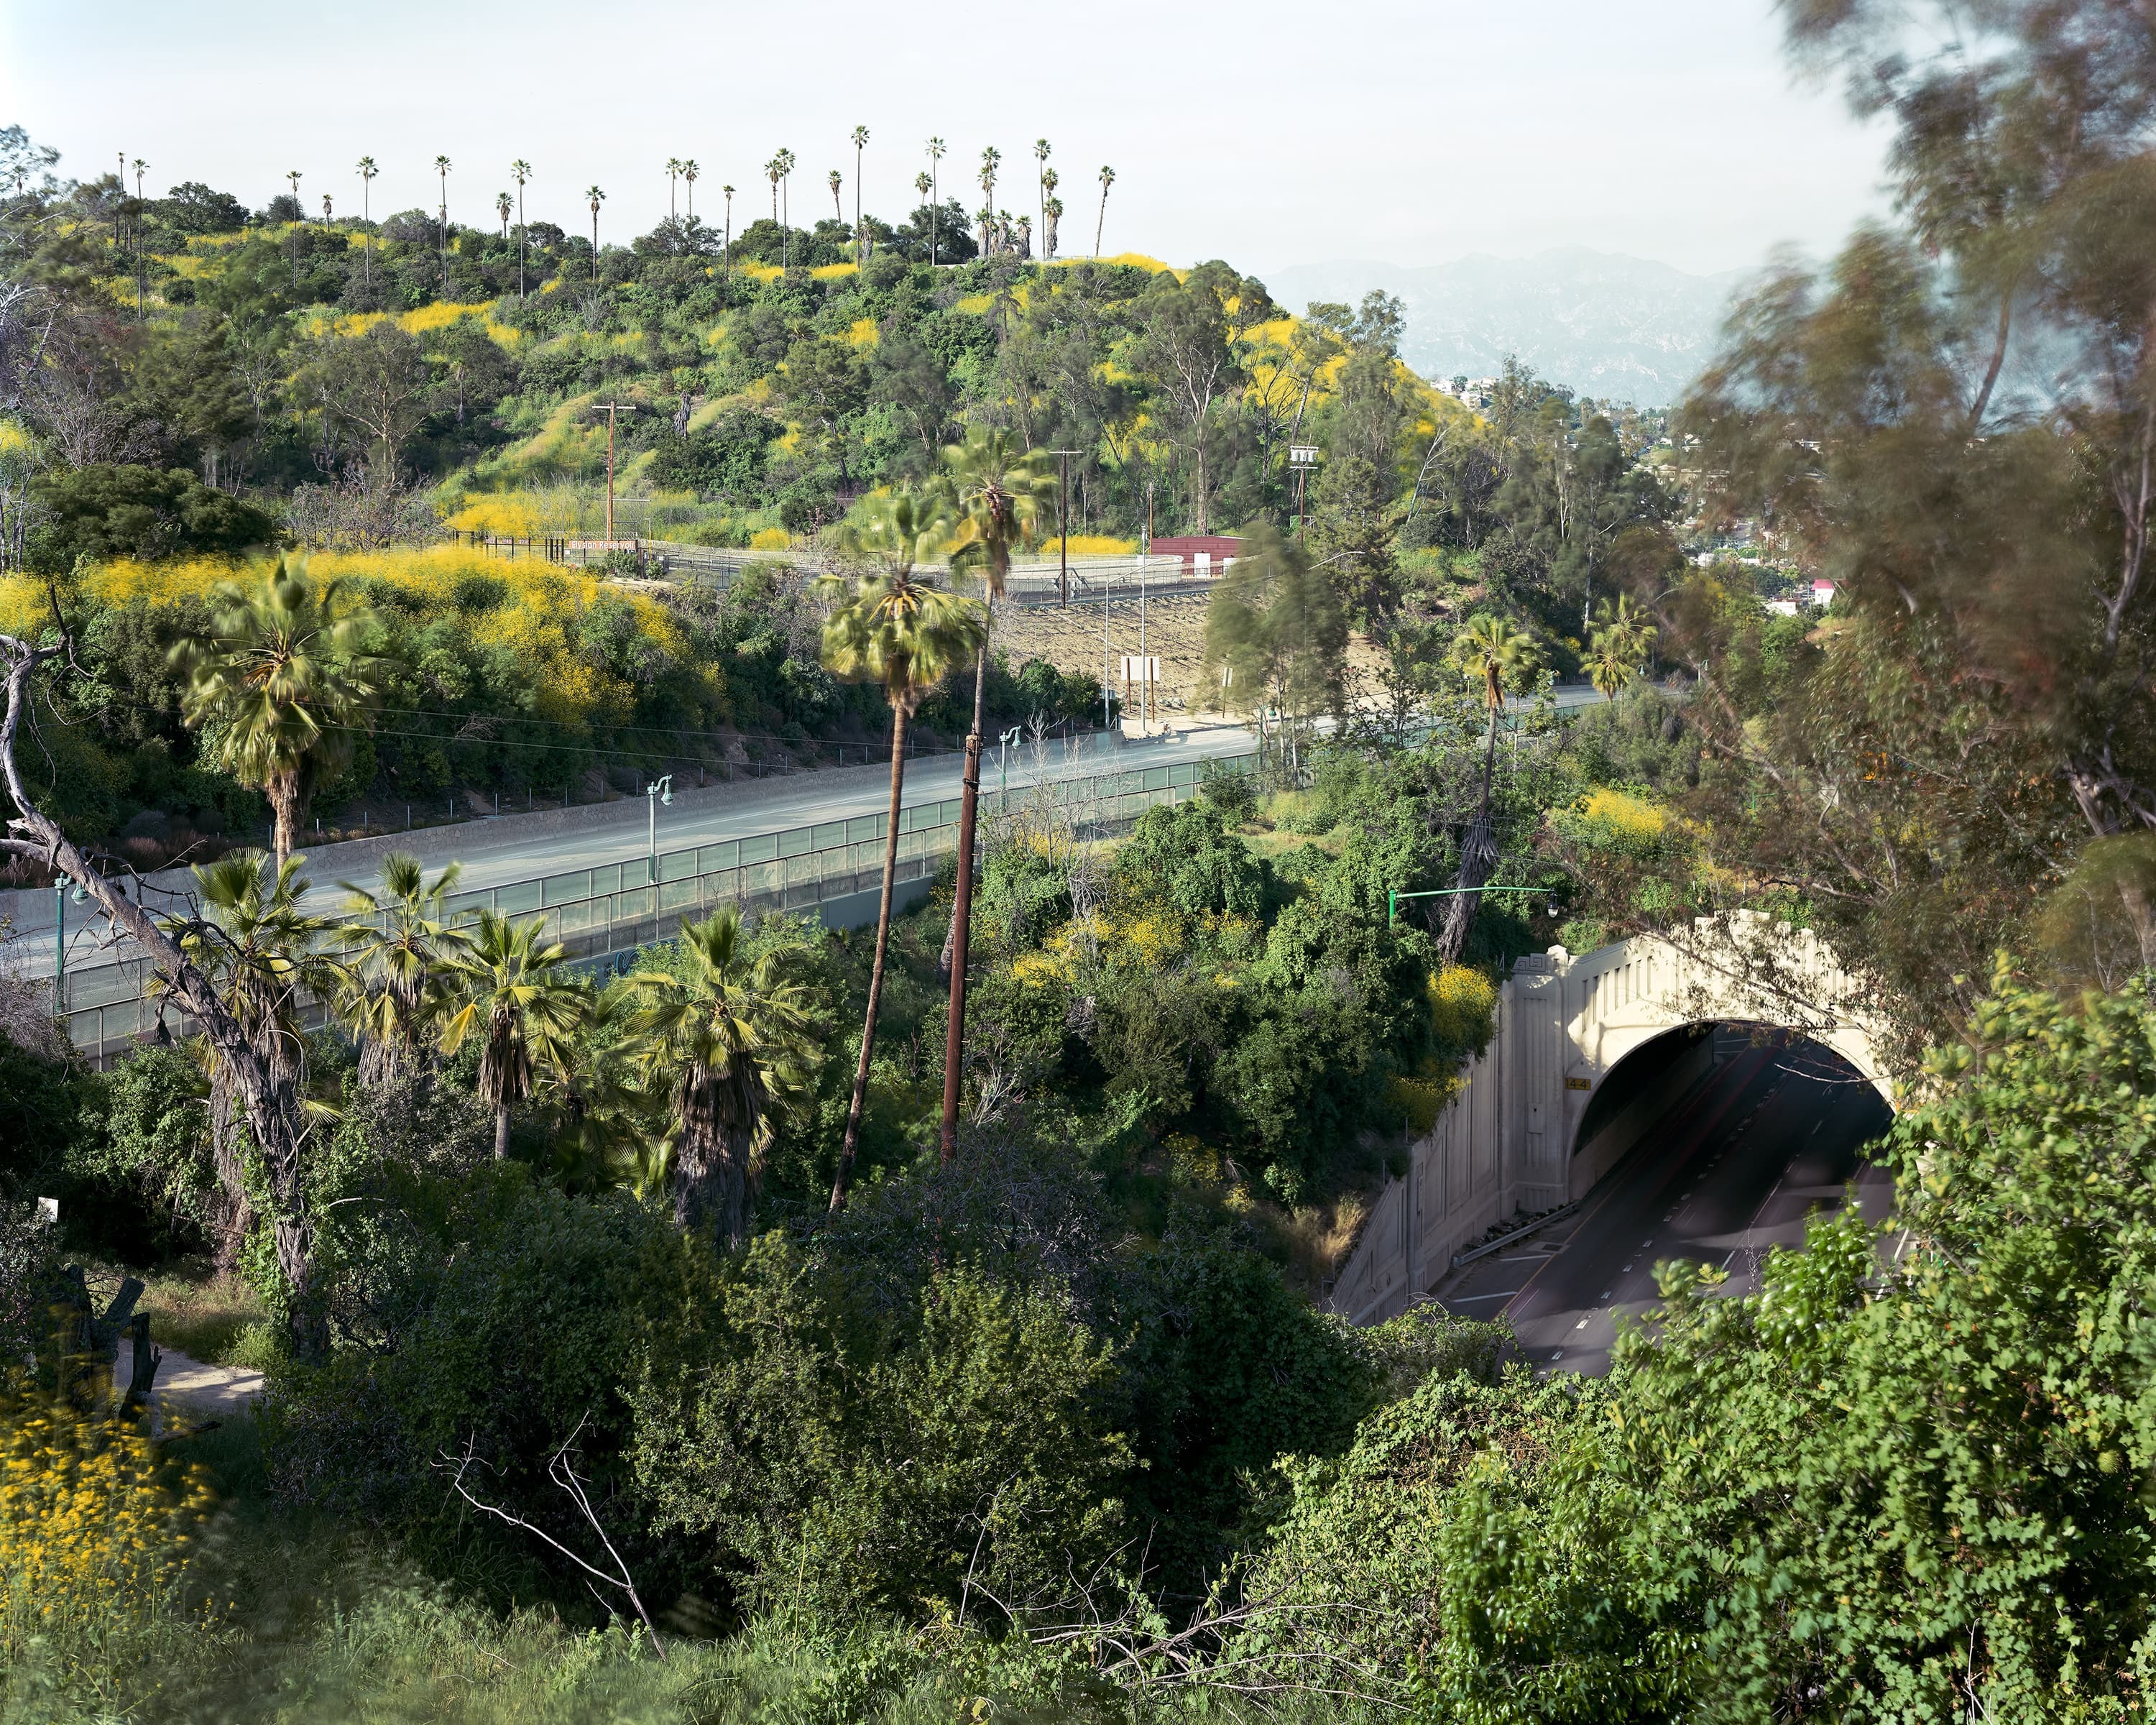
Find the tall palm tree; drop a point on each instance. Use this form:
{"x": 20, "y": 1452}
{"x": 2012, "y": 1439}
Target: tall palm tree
{"x": 1618, "y": 647}
{"x": 689, "y": 172}
{"x": 368, "y": 171}
{"x": 726, "y": 244}
{"x": 996, "y": 490}
{"x": 1051, "y": 213}
{"x": 731, "y": 1045}
{"x": 785, "y": 160}
{"x": 258, "y": 945}
{"x": 936, "y": 147}
{"x": 922, "y": 186}
{"x": 518, "y": 996}
{"x": 299, "y": 219}
{"x": 595, "y": 198}
{"x": 502, "y": 206}
{"x": 400, "y": 949}
{"x": 1492, "y": 652}
{"x": 1041, "y": 149}
{"x": 838, "y": 208}
{"x": 892, "y": 629}
{"x": 772, "y": 170}
{"x": 1107, "y": 179}
{"x": 441, "y": 168}
{"x": 860, "y": 234}
{"x": 283, "y": 684}
{"x": 520, "y": 171}
{"x": 673, "y": 176}
{"x": 991, "y": 159}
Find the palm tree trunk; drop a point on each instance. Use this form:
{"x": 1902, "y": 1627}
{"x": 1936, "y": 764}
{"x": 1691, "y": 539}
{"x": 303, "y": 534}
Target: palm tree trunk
{"x": 284, "y": 790}
{"x": 968, "y": 797}
{"x": 501, "y": 1133}
{"x": 853, "y": 1138}
{"x": 954, "y": 956}
{"x": 1478, "y": 858}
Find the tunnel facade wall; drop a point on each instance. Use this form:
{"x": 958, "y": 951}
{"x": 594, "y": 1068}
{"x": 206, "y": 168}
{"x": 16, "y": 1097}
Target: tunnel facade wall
{"x": 1503, "y": 1148}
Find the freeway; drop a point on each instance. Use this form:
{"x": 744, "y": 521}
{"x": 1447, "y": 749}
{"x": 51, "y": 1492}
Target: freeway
{"x": 520, "y": 847}
{"x": 1773, "y": 1132}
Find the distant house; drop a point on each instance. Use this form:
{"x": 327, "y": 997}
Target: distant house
{"x": 1823, "y": 592}
{"x": 1783, "y": 607}
{"x": 1201, "y": 553}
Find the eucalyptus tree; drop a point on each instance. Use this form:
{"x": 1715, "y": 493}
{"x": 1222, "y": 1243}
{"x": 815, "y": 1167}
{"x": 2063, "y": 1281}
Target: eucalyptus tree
{"x": 368, "y": 171}
{"x": 281, "y": 684}
{"x": 894, "y": 629}
{"x": 729, "y": 1043}
{"x": 519, "y": 170}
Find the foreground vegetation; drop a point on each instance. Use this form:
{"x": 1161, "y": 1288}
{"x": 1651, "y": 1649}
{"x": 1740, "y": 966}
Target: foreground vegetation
{"x": 657, "y": 1349}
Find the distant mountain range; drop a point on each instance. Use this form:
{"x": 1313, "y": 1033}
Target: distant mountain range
{"x": 1608, "y": 325}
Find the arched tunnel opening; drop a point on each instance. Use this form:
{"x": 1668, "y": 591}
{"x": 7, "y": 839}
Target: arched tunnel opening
{"x": 1714, "y": 1142}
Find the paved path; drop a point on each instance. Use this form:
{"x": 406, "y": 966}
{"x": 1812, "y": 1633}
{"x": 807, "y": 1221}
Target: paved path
{"x": 221, "y": 1392}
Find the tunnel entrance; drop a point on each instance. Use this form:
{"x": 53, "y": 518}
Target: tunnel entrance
{"x": 1638, "y": 1099}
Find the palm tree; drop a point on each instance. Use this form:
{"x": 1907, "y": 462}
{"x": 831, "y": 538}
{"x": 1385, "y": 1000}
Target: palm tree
{"x": 785, "y": 160}
{"x": 520, "y": 171}
{"x": 996, "y": 492}
{"x": 258, "y": 945}
{"x": 936, "y": 147}
{"x": 442, "y": 167}
{"x": 731, "y": 1045}
{"x": 1493, "y": 653}
{"x": 922, "y": 186}
{"x": 1040, "y": 154}
{"x": 892, "y": 629}
{"x": 727, "y": 243}
{"x": 502, "y": 206}
{"x": 283, "y": 684}
{"x": 368, "y": 171}
{"x": 838, "y": 208}
{"x": 400, "y": 947}
{"x": 672, "y": 174}
{"x": 860, "y": 234}
{"x": 991, "y": 159}
{"x": 298, "y": 217}
{"x": 1618, "y": 647}
{"x": 772, "y": 172}
{"x": 1051, "y": 213}
{"x": 689, "y": 172}
{"x": 595, "y": 198}
{"x": 1107, "y": 179}
{"x": 517, "y": 995}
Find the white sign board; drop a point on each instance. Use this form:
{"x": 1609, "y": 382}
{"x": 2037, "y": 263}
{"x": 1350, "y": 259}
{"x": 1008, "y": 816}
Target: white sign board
{"x": 1302, "y": 454}
{"x": 1141, "y": 671}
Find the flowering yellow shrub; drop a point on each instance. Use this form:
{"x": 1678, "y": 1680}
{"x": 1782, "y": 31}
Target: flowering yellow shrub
{"x": 1092, "y": 545}
{"x": 769, "y": 539}
{"x": 1461, "y": 1001}
{"x": 94, "y": 1525}
{"x": 862, "y": 332}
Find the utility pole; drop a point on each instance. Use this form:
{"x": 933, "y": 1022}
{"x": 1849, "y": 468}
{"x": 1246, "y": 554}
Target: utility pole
{"x": 1063, "y": 522}
{"x": 1300, "y": 457}
{"x": 612, "y": 409}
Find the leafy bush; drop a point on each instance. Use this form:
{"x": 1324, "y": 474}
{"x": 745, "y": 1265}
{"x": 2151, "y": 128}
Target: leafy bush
{"x": 105, "y": 510}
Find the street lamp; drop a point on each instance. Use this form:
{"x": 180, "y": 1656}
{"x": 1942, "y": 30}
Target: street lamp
{"x": 1392, "y": 899}
{"x": 1003, "y": 765}
{"x": 660, "y": 790}
{"x": 61, "y": 883}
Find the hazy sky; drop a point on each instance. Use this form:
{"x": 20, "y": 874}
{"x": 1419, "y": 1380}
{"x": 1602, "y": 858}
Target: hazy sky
{"x": 1266, "y": 133}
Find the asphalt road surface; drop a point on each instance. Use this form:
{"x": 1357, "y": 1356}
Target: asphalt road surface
{"x": 1773, "y": 1133}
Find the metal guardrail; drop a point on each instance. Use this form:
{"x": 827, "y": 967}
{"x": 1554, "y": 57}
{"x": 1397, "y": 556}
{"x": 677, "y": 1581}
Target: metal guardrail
{"x": 1520, "y": 1233}
{"x": 615, "y": 908}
